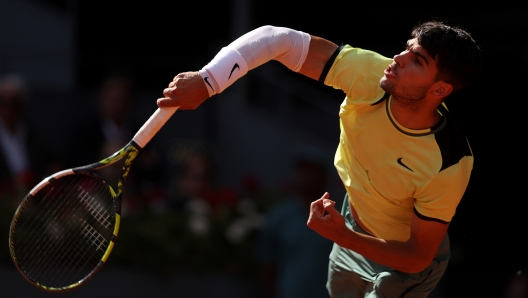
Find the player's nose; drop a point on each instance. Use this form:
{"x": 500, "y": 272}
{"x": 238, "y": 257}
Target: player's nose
{"x": 398, "y": 59}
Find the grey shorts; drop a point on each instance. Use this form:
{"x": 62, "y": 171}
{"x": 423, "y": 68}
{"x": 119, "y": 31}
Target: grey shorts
{"x": 352, "y": 275}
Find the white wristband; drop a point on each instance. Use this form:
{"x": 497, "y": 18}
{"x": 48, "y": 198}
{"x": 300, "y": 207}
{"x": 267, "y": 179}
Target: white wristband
{"x": 211, "y": 85}
{"x": 225, "y": 68}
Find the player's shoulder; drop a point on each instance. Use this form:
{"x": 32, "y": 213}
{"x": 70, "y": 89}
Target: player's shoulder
{"x": 452, "y": 141}
{"x": 357, "y": 72}
{"x": 357, "y": 57}
{"x": 346, "y": 56}
{"x": 363, "y": 53}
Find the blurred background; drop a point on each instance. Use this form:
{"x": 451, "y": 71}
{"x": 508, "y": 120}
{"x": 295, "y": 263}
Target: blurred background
{"x": 216, "y": 204}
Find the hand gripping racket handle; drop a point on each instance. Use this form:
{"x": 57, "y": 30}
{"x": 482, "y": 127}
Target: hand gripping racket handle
{"x": 153, "y": 125}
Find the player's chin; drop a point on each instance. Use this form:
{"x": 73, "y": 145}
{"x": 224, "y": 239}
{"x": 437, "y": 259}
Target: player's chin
{"x": 386, "y": 85}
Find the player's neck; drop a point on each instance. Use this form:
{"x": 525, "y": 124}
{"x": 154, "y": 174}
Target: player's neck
{"x": 414, "y": 114}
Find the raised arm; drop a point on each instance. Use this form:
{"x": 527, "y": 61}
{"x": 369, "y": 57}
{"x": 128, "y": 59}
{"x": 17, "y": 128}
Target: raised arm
{"x": 296, "y": 50}
{"x": 320, "y": 51}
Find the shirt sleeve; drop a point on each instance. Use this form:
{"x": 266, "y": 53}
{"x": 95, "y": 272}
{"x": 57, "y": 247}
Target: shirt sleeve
{"x": 438, "y": 199}
{"x": 357, "y": 72}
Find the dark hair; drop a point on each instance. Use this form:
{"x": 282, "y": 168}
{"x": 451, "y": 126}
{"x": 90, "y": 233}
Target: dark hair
{"x": 457, "y": 55}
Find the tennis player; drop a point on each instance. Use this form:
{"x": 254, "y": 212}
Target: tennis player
{"x": 403, "y": 161}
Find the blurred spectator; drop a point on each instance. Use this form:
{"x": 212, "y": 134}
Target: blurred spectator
{"x": 24, "y": 157}
{"x": 100, "y": 134}
{"x": 195, "y": 181}
{"x": 111, "y": 122}
{"x": 293, "y": 258}
{"x": 200, "y": 227}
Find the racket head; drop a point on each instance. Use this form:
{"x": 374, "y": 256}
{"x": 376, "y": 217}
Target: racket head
{"x": 64, "y": 230}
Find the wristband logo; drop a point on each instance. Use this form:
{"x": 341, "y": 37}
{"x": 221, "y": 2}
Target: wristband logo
{"x": 233, "y": 69}
{"x": 205, "y": 79}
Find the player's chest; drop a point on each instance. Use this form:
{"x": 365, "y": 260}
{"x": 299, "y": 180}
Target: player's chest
{"x": 393, "y": 162}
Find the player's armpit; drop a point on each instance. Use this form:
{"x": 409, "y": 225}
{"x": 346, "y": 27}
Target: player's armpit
{"x": 318, "y": 54}
{"x": 426, "y": 236}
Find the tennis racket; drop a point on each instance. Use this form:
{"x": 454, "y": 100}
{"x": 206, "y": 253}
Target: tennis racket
{"x": 65, "y": 228}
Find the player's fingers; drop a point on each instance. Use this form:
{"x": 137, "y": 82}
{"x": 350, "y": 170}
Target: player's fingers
{"x": 335, "y": 215}
{"x": 172, "y": 92}
{"x": 167, "y": 92}
{"x": 166, "y": 102}
{"x": 316, "y": 209}
{"x": 320, "y": 200}
{"x": 181, "y": 76}
{"x": 329, "y": 207}
{"x": 328, "y": 204}
{"x": 317, "y": 205}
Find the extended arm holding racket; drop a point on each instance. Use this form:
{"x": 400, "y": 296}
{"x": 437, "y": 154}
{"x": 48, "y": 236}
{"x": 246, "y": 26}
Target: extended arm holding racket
{"x": 297, "y": 50}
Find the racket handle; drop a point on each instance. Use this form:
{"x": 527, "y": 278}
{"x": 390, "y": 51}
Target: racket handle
{"x": 153, "y": 125}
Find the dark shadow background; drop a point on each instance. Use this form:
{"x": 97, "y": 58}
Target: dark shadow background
{"x": 155, "y": 41}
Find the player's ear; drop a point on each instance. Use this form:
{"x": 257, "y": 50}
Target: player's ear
{"x": 442, "y": 89}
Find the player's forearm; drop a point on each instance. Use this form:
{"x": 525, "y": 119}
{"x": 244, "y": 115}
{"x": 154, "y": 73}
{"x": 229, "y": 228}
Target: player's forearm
{"x": 395, "y": 254}
{"x": 290, "y": 47}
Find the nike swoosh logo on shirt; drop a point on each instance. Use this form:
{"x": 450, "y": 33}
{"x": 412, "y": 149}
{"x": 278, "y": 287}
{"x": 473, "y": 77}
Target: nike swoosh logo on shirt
{"x": 234, "y": 67}
{"x": 401, "y": 163}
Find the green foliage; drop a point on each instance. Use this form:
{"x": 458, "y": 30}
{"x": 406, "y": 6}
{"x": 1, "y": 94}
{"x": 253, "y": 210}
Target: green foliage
{"x": 168, "y": 242}
{"x": 219, "y": 239}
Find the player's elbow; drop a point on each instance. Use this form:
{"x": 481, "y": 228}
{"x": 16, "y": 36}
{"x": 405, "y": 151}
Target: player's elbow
{"x": 266, "y": 28}
{"x": 266, "y": 31}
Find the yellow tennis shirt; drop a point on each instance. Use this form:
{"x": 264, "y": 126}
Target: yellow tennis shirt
{"x": 390, "y": 171}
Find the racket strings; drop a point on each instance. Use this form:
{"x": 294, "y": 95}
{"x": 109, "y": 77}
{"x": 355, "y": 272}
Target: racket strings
{"x": 50, "y": 260}
{"x": 37, "y": 225}
{"x": 35, "y": 204}
{"x": 69, "y": 255}
{"x": 100, "y": 214}
{"x": 75, "y": 255}
{"x": 64, "y": 230}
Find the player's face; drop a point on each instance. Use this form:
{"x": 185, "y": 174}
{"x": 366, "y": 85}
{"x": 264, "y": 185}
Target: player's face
{"x": 412, "y": 73}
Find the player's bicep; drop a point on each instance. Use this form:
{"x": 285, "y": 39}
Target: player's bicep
{"x": 319, "y": 53}
{"x": 426, "y": 236}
